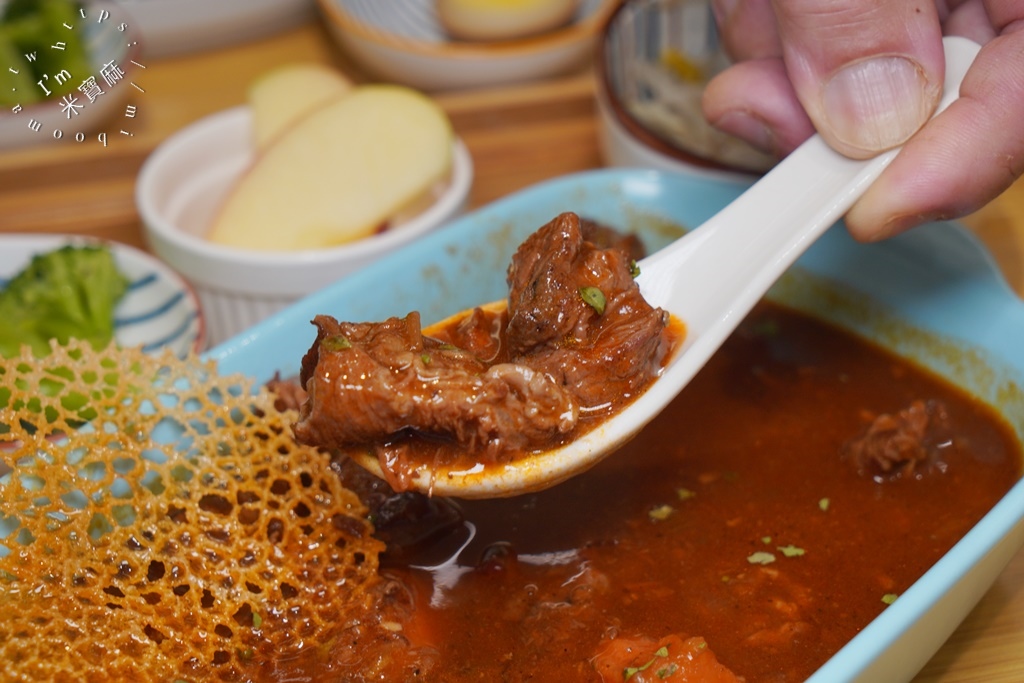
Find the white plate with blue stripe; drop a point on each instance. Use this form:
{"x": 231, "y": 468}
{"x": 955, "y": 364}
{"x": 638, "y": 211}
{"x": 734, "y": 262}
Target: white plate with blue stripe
{"x": 159, "y": 311}
{"x": 92, "y": 120}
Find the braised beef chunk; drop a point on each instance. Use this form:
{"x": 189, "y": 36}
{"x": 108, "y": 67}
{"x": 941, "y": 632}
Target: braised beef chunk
{"x": 369, "y": 381}
{"x": 289, "y": 394}
{"x": 901, "y": 444}
{"x": 576, "y": 335}
{"x": 605, "y": 237}
{"x": 480, "y": 334}
{"x": 544, "y": 279}
{"x": 577, "y": 314}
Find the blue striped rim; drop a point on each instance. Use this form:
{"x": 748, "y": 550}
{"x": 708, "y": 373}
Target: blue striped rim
{"x": 410, "y": 19}
{"x": 143, "y": 281}
{"x": 150, "y": 314}
{"x": 174, "y": 335}
{"x": 175, "y": 303}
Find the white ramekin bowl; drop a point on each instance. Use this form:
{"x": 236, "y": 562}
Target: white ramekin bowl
{"x": 182, "y": 184}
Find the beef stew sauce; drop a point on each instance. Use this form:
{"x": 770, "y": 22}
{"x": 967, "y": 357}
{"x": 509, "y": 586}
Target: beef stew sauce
{"x": 795, "y": 489}
{"x": 745, "y": 525}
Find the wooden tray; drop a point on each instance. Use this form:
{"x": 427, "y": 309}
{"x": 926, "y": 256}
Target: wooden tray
{"x": 517, "y": 136}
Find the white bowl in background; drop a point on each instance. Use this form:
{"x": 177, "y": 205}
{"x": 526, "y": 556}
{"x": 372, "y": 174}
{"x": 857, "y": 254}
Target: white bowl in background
{"x": 182, "y": 184}
{"x": 176, "y": 27}
{"x": 159, "y": 311}
{"x": 403, "y": 41}
{"x": 652, "y": 60}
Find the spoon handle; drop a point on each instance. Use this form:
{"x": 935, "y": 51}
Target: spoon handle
{"x": 725, "y": 266}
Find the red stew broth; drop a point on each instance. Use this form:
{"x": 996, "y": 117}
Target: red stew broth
{"x": 666, "y": 536}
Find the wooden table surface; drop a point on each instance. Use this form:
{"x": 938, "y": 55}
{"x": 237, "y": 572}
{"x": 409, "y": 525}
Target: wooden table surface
{"x": 517, "y": 136}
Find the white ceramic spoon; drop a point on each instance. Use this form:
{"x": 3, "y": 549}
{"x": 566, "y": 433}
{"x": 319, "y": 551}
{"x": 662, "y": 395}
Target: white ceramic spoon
{"x": 710, "y": 279}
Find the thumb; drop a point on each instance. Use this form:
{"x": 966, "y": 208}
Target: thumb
{"x": 869, "y": 74}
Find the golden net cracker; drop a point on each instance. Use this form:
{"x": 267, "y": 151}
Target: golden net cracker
{"x": 158, "y": 522}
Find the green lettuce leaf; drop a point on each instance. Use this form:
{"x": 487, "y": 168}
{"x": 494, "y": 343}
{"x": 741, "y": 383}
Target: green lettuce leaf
{"x": 65, "y": 293}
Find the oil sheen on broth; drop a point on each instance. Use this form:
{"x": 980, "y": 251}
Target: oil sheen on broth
{"x": 801, "y": 482}
{"x": 798, "y": 485}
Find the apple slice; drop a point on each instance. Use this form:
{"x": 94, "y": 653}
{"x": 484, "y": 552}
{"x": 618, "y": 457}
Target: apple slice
{"x": 503, "y": 19}
{"x": 281, "y": 97}
{"x": 340, "y": 172}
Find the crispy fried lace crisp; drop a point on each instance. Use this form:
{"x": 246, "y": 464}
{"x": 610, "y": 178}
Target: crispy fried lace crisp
{"x": 158, "y": 523}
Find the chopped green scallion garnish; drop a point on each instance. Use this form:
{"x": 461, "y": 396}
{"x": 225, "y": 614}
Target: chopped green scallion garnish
{"x": 336, "y": 342}
{"x": 594, "y": 298}
{"x": 666, "y": 671}
{"x": 634, "y": 269}
{"x": 761, "y": 557}
{"x": 889, "y": 598}
{"x": 660, "y": 513}
{"x": 631, "y": 671}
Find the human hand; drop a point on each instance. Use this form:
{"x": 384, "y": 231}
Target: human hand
{"x": 867, "y": 76}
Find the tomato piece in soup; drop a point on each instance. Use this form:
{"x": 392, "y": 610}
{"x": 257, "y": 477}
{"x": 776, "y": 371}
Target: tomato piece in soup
{"x": 669, "y": 660}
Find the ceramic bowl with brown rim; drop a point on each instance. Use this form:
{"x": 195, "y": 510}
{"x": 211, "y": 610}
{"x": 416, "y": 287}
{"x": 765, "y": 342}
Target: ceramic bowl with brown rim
{"x": 404, "y": 41}
{"x": 652, "y": 61}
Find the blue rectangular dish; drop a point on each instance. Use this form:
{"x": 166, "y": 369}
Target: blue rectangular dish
{"x": 932, "y": 295}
